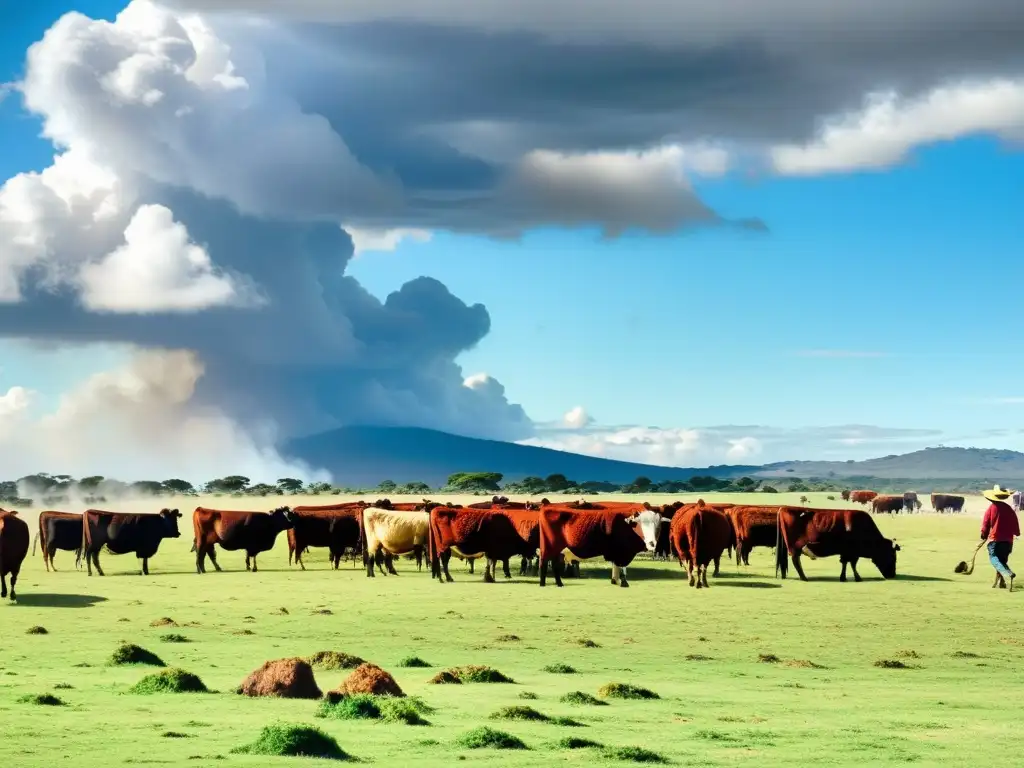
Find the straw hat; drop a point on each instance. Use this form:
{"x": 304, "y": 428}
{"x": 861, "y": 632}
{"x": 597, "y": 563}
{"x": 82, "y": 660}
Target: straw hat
{"x": 997, "y": 493}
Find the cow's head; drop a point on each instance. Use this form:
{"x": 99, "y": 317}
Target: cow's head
{"x": 648, "y": 527}
{"x": 884, "y": 558}
{"x": 626, "y": 540}
{"x": 283, "y": 518}
{"x": 169, "y": 517}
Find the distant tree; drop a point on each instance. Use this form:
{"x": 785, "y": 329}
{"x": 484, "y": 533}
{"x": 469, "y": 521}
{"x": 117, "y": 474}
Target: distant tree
{"x": 745, "y": 482}
{"x": 413, "y": 488}
{"x": 317, "y": 488}
{"x": 768, "y": 489}
{"x": 229, "y": 484}
{"x": 387, "y": 486}
{"x": 8, "y": 491}
{"x": 90, "y": 483}
{"x": 36, "y": 485}
{"x": 179, "y": 487}
{"x": 531, "y": 484}
{"x": 556, "y": 483}
{"x": 643, "y": 484}
{"x": 146, "y": 487}
{"x": 475, "y": 481}
{"x": 262, "y": 489}
{"x": 289, "y": 484}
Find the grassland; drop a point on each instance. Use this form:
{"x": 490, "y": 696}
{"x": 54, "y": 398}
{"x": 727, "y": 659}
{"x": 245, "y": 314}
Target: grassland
{"x": 750, "y": 672}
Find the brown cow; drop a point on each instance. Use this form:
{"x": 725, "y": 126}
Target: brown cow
{"x": 496, "y": 534}
{"x": 889, "y": 504}
{"x": 678, "y": 532}
{"x": 586, "y": 534}
{"x": 862, "y": 497}
{"x": 845, "y": 495}
{"x": 14, "y": 538}
{"x": 753, "y": 527}
{"x": 121, "y": 534}
{"x": 254, "y": 532}
{"x": 849, "y": 533}
{"x": 945, "y": 502}
{"x": 58, "y": 530}
{"x": 708, "y": 533}
{"x": 335, "y": 526}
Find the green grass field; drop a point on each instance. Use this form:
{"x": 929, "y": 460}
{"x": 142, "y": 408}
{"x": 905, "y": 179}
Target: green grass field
{"x": 753, "y": 671}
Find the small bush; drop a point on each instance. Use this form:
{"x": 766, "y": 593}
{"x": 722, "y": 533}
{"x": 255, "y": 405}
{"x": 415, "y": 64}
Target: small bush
{"x": 768, "y": 658}
{"x": 964, "y": 655}
{"x": 477, "y": 673}
{"x": 294, "y": 741}
{"x": 580, "y": 698}
{"x": 447, "y": 677}
{"x": 63, "y": 687}
{"x": 508, "y": 639}
{"x": 488, "y": 738}
{"x": 243, "y": 632}
{"x": 361, "y": 706}
{"x": 910, "y": 654}
{"x": 626, "y": 691}
{"x": 559, "y": 669}
{"x": 527, "y": 696}
{"x": 42, "y": 699}
{"x": 164, "y": 622}
{"x": 574, "y": 742}
{"x": 170, "y": 681}
{"x": 633, "y": 754}
{"x": 520, "y": 713}
{"x": 174, "y": 638}
{"x": 566, "y": 722}
{"x": 890, "y": 664}
{"x": 36, "y": 631}
{"x": 334, "y": 660}
{"x": 127, "y": 653}
{"x": 413, "y": 662}
{"x": 697, "y": 657}
{"x": 175, "y": 735}
{"x": 406, "y": 711}
{"x": 586, "y": 643}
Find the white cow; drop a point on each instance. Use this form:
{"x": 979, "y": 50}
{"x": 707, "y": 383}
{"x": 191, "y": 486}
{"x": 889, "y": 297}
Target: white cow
{"x": 390, "y": 532}
{"x": 648, "y": 524}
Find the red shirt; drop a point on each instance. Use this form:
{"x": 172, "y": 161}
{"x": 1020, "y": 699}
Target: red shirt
{"x": 1000, "y": 522}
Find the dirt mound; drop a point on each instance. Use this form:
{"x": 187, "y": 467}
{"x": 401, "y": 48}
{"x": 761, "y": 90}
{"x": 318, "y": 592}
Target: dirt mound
{"x": 287, "y": 678}
{"x": 369, "y": 678}
{"x": 164, "y": 622}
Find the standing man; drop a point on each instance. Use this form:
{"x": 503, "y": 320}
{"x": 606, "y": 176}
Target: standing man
{"x": 998, "y": 527}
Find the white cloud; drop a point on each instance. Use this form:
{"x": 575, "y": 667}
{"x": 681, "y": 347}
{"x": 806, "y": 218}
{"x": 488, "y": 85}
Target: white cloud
{"x": 379, "y": 240}
{"x": 158, "y": 269}
{"x": 647, "y": 445}
{"x": 888, "y": 127}
{"x": 137, "y": 422}
{"x": 576, "y": 418}
{"x": 743, "y": 448}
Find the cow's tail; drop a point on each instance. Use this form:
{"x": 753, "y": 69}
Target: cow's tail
{"x": 695, "y": 528}
{"x": 781, "y": 546}
{"x": 732, "y": 535}
{"x": 363, "y": 549}
{"x": 36, "y": 538}
{"x": 432, "y": 547}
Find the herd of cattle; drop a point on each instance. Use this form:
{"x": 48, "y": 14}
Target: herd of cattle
{"x": 908, "y": 502}
{"x": 540, "y": 534}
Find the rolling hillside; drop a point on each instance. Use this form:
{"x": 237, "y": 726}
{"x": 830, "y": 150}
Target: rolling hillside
{"x": 364, "y": 456}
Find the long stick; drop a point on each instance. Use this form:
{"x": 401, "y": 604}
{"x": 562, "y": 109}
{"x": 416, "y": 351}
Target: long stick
{"x": 778, "y": 525}
{"x": 977, "y": 549}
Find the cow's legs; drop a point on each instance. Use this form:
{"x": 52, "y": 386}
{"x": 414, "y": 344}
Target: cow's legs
{"x": 201, "y": 558}
{"x": 490, "y": 566}
{"x": 505, "y": 568}
{"x": 389, "y": 561}
{"x": 446, "y": 558}
{"x": 704, "y": 574}
{"x": 370, "y": 563}
{"x": 524, "y": 566}
{"x": 254, "y": 568}
{"x": 619, "y": 577}
{"x": 419, "y": 558}
{"x": 739, "y": 551}
{"x": 3, "y": 580}
{"x": 719, "y": 557}
{"x": 471, "y": 562}
{"x": 95, "y": 555}
{"x": 542, "y": 571}
{"x": 145, "y": 566}
{"x": 853, "y": 566}
{"x": 48, "y": 554}
{"x": 798, "y": 567}
{"x": 212, "y": 553}
{"x": 689, "y": 572}
{"x": 248, "y": 564}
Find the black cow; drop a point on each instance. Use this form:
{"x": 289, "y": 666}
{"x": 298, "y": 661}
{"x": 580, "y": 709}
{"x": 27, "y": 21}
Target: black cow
{"x": 59, "y": 530}
{"x": 122, "y": 534}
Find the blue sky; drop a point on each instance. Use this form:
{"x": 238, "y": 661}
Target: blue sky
{"x": 882, "y": 297}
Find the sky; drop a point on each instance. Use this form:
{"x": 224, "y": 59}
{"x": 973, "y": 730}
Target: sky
{"x": 672, "y": 235}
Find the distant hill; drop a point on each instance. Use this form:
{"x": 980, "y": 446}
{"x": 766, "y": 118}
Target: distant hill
{"x": 364, "y": 456}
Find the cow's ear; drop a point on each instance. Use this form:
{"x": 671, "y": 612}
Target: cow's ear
{"x": 701, "y": 504}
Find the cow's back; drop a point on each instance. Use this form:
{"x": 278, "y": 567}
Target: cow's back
{"x": 708, "y": 532}
{"x": 14, "y": 540}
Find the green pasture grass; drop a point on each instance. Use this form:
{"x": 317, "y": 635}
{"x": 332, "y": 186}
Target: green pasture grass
{"x": 752, "y": 671}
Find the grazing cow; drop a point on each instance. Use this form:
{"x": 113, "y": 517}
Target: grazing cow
{"x": 253, "y": 532}
{"x": 708, "y": 534}
{"x": 945, "y": 502}
{"x": 650, "y": 524}
{"x": 680, "y": 538}
{"x": 58, "y": 530}
{"x": 862, "y": 497}
{"x": 335, "y": 526}
{"x": 888, "y": 504}
{"x": 910, "y": 502}
{"x": 121, "y": 534}
{"x": 587, "y": 534}
{"x": 394, "y": 533}
{"x": 753, "y": 527}
{"x": 14, "y": 538}
{"x": 849, "y": 533}
{"x": 472, "y": 533}
{"x": 845, "y": 495}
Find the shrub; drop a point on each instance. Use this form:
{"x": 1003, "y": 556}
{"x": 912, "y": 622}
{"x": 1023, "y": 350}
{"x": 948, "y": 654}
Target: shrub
{"x": 488, "y": 738}
{"x": 164, "y": 622}
{"x": 361, "y": 706}
{"x": 586, "y": 643}
{"x": 580, "y": 698}
{"x": 566, "y": 722}
{"x": 413, "y": 662}
{"x": 447, "y": 677}
{"x": 294, "y": 741}
{"x": 36, "y": 631}
{"x": 174, "y": 638}
{"x": 633, "y": 754}
{"x": 519, "y": 713}
{"x": 768, "y": 658}
{"x": 128, "y": 653}
{"x": 476, "y": 673}
{"x": 408, "y": 711}
{"x": 559, "y": 669}
{"x": 334, "y": 660}
{"x": 625, "y": 691}
{"x": 574, "y": 742}
{"x": 170, "y": 681}
{"x": 890, "y": 664}
{"x": 42, "y": 699}
{"x": 175, "y": 735}
{"x": 528, "y": 696}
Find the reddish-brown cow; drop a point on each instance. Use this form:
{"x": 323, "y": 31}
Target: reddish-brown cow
{"x": 708, "y": 533}
{"x": 845, "y": 495}
{"x": 58, "y": 530}
{"x": 862, "y": 497}
{"x": 679, "y": 533}
{"x": 753, "y": 527}
{"x": 14, "y": 538}
{"x": 849, "y": 533}
{"x": 589, "y": 533}
{"x": 496, "y": 534}
{"x": 888, "y": 504}
{"x": 254, "y": 532}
